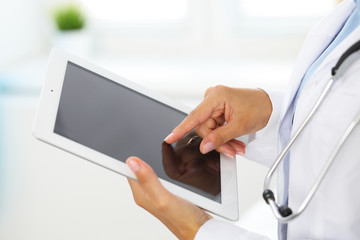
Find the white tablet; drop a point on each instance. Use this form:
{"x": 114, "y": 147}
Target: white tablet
{"x": 104, "y": 118}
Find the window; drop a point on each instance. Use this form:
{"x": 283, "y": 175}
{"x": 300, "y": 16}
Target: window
{"x": 201, "y": 27}
{"x": 280, "y": 16}
{"x": 285, "y": 8}
{"x": 136, "y": 12}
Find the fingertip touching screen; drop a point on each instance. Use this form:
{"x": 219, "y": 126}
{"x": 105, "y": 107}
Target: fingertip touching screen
{"x": 119, "y": 122}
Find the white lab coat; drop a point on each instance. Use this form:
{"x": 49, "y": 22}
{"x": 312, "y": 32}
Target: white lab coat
{"x": 334, "y": 212}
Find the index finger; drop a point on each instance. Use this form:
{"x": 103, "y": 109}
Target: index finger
{"x": 196, "y": 117}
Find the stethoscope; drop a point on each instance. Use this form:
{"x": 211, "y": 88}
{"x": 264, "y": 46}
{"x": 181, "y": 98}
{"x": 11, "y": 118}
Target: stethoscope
{"x": 284, "y": 213}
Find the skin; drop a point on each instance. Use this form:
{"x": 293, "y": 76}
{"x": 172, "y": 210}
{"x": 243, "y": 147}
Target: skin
{"x": 224, "y": 114}
{"x": 181, "y": 217}
{"x": 243, "y": 110}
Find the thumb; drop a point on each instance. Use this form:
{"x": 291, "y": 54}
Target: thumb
{"x": 219, "y": 136}
{"x": 147, "y": 179}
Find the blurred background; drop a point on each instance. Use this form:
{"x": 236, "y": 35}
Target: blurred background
{"x": 176, "y": 47}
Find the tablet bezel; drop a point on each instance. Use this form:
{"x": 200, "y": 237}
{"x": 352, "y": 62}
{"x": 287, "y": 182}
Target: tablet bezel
{"x": 43, "y": 129}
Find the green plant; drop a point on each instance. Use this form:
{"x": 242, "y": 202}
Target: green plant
{"x": 69, "y": 17}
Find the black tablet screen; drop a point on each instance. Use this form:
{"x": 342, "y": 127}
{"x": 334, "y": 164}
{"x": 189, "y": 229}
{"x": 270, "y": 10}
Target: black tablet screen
{"x": 120, "y": 122}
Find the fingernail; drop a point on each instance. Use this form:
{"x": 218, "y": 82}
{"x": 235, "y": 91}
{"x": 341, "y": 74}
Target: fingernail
{"x": 133, "y": 165}
{"x": 208, "y": 147}
{"x": 240, "y": 153}
{"x": 229, "y": 155}
{"x": 168, "y": 137}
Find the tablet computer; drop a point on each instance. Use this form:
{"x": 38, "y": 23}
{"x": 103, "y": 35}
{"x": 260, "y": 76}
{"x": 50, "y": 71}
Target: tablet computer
{"x": 103, "y": 118}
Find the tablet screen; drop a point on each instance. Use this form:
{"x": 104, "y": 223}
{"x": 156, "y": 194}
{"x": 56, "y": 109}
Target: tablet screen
{"x": 119, "y": 122}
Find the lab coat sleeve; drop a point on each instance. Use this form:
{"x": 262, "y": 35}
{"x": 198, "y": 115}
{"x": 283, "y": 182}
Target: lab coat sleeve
{"x": 218, "y": 230}
{"x": 262, "y": 145}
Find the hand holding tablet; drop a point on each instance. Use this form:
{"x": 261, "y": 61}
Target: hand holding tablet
{"x": 180, "y": 216}
{"x": 104, "y": 118}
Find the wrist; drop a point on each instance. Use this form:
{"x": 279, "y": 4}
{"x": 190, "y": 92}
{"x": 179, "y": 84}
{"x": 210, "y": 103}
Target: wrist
{"x": 195, "y": 227}
{"x": 266, "y": 107}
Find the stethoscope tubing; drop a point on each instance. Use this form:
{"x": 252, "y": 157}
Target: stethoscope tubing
{"x": 284, "y": 213}
{"x": 292, "y": 140}
{"x": 325, "y": 169}
{"x": 274, "y": 206}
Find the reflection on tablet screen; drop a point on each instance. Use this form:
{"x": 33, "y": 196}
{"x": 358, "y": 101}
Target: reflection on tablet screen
{"x": 184, "y": 162}
{"x": 120, "y": 122}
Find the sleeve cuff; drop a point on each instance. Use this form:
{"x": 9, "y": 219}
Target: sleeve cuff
{"x": 215, "y": 229}
{"x": 262, "y": 146}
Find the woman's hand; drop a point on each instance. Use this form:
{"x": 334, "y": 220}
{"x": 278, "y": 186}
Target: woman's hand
{"x": 225, "y": 114}
{"x": 180, "y": 216}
